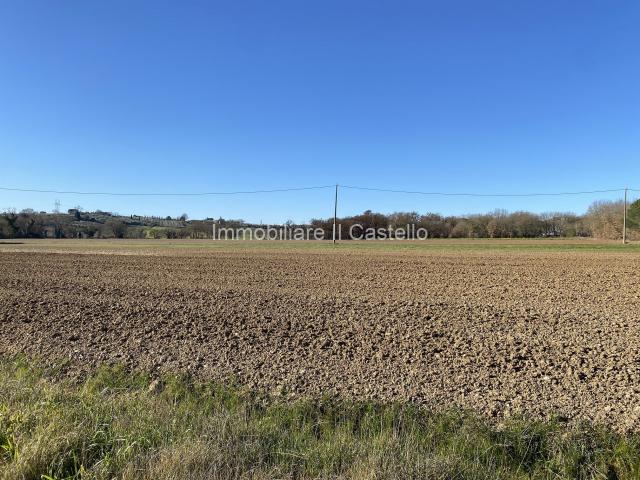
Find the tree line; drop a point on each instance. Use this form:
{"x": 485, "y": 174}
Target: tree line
{"x": 603, "y": 219}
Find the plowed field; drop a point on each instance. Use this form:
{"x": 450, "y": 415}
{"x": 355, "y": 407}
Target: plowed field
{"x": 500, "y": 331}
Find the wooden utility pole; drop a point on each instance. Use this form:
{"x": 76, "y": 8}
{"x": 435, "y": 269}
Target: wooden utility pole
{"x": 624, "y": 221}
{"x": 335, "y": 214}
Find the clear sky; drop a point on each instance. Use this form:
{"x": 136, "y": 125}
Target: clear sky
{"x": 454, "y": 96}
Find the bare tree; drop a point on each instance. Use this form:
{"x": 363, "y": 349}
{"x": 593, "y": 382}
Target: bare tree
{"x": 116, "y": 227}
{"x": 605, "y": 218}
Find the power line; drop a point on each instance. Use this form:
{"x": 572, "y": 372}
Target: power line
{"x": 452, "y": 194}
{"x": 166, "y": 194}
{"x": 295, "y": 189}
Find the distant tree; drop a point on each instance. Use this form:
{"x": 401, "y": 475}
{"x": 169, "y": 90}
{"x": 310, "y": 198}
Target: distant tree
{"x": 153, "y": 232}
{"x": 526, "y": 224}
{"x": 633, "y": 215}
{"x": 605, "y": 218}
{"x": 201, "y": 228}
{"x": 30, "y": 224}
{"x": 462, "y": 229}
{"x": 479, "y": 224}
{"x": 368, "y": 222}
{"x": 6, "y": 229}
{"x": 499, "y": 224}
{"x": 116, "y": 227}
{"x": 400, "y": 220}
{"x": 436, "y": 225}
{"x": 562, "y": 224}
{"x": 135, "y": 232}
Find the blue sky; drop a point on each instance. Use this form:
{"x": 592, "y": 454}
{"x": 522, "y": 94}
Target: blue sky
{"x": 455, "y": 96}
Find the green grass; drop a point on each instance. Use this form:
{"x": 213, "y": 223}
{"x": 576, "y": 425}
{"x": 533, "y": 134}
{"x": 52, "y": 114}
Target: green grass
{"x": 480, "y": 245}
{"x": 112, "y": 425}
{"x": 523, "y": 245}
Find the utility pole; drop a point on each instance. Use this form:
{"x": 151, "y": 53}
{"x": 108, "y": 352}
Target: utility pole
{"x": 335, "y": 214}
{"x": 624, "y": 221}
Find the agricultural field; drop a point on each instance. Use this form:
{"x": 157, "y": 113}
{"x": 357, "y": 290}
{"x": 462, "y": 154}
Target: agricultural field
{"x": 542, "y": 328}
{"x": 205, "y": 359}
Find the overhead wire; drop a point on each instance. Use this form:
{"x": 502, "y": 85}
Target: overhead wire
{"x": 167, "y": 194}
{"x": 318, "y": 187}
{"x": 467, "y": 194}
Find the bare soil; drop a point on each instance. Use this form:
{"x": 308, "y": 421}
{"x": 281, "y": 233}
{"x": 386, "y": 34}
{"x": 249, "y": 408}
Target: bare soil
{"x": 500, "y": 332}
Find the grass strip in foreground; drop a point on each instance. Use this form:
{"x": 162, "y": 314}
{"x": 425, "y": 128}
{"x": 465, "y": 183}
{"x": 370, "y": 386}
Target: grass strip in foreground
{"x": 118, "y": 425}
